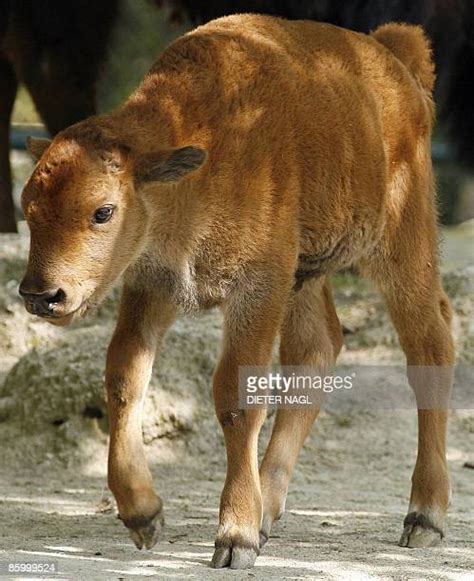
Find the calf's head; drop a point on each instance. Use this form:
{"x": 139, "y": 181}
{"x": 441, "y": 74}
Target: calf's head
{"x": 88, "y": 216}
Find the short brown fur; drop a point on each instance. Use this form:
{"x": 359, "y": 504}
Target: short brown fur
{"x": 256, "y": 158}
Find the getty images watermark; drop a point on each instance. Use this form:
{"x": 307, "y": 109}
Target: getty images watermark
{"x": 292, "y": 389}
{"x": 357, "y": 387}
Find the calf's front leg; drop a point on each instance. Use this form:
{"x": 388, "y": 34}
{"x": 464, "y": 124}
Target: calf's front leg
{"x": 249, "y": 340}
{"x": 143, "y": 320}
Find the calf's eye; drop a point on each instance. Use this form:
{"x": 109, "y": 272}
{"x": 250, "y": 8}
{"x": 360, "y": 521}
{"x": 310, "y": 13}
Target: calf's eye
{"x": 103, "y": 214}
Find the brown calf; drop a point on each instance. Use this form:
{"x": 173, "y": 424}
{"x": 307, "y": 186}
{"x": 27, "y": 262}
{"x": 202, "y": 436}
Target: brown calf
{"x": 255, "y": 150}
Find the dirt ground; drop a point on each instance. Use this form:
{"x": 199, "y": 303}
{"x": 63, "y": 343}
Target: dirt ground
{"x": 343, "y": 518}
{"x": 348, "y": 497}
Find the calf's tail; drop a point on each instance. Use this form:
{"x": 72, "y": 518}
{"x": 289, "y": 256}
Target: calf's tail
{"x": 412, "y": 47}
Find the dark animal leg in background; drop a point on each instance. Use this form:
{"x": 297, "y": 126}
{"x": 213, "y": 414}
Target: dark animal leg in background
{"x": 61, "y": 104}
{"x": 56, "y": 49}
{"x": 59, "y": 48}
{"x": 8, "y": 87}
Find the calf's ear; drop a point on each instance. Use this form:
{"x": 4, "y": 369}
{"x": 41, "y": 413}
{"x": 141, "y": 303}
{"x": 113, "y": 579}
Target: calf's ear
{"x": 37, "y": 146}
{"x": 168, "y": 166}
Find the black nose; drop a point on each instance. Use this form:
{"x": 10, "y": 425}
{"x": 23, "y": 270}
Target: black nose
{"x": 42, "y": 303}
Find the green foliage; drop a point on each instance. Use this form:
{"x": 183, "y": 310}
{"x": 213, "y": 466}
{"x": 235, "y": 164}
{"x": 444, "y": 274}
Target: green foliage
{"x": 141, "y": 33}
{"x": 24, "y": 110}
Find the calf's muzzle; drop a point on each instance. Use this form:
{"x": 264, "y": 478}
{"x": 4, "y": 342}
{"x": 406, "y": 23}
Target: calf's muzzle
{"x": 42, "y": 302}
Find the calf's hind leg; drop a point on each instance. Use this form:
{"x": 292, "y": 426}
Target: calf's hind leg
{"x": 421, "y": 314}
{"x": 310, "y": 336}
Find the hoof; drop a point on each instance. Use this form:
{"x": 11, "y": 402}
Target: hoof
{"x": 265, "y": 530}
{"x": 419, "y": 532}
{"x": 234, "y": 557}
{"x": 145, "y": 532}
{"x": 236, "y": 547}
{"x": 263, "y": 539}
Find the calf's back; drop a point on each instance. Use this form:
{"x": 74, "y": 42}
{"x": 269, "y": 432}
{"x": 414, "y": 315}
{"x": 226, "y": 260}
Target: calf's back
{"x": 306, "y": 126}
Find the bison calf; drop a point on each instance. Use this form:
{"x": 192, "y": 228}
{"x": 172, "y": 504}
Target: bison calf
{"x": 256, "y": 158}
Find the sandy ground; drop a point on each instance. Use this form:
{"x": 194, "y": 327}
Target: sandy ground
{"x": 343, "y": 518}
